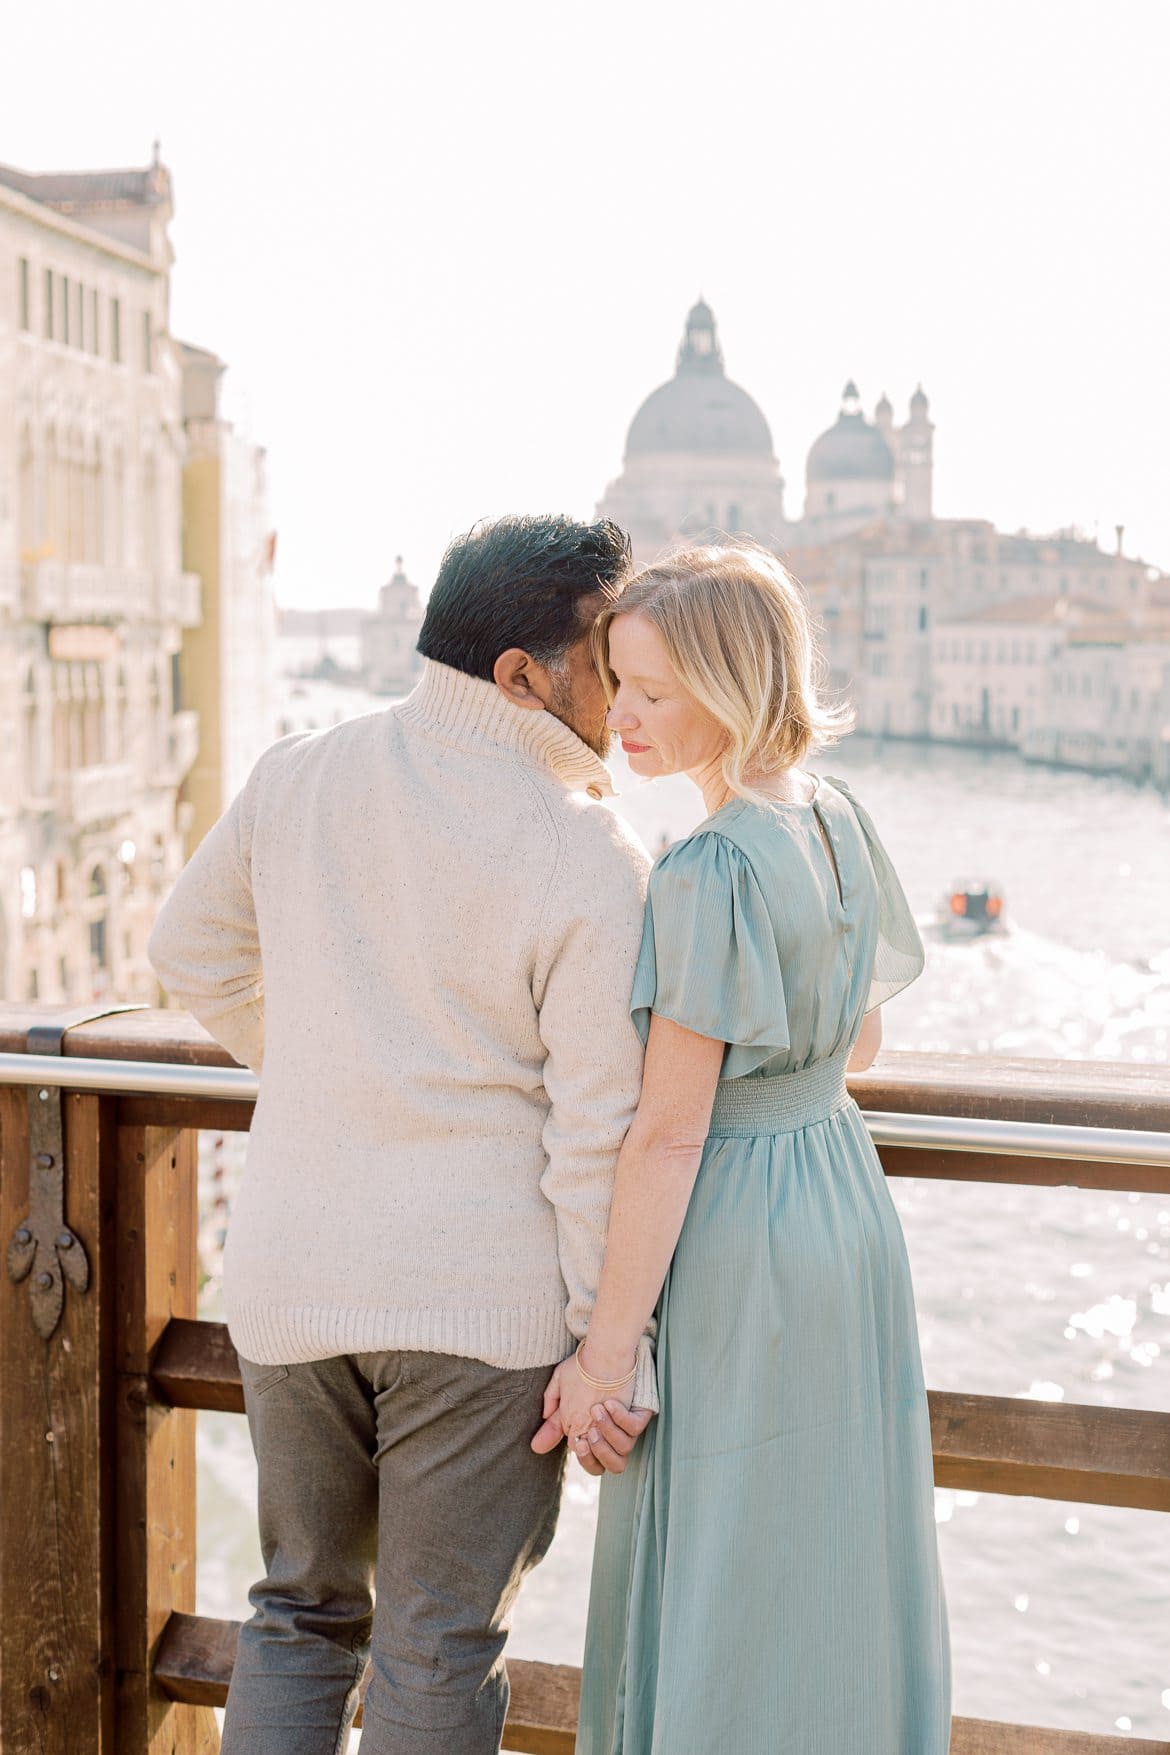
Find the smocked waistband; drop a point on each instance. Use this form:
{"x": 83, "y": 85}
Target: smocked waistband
{"x": 783, "y": 1104}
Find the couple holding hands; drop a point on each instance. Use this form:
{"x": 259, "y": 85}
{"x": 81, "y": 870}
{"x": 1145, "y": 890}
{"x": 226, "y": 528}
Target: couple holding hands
{"x": 553, "y": 1154}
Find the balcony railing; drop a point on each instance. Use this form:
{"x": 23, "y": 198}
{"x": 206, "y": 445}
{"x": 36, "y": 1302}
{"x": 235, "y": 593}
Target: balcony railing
{"x": 67, "y": 591}
{"x": 103, "y": 1649}
{"x": 95, "y": 794}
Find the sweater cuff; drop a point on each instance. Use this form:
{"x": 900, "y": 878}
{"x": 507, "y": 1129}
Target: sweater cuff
{"x": 646, "y": 1377}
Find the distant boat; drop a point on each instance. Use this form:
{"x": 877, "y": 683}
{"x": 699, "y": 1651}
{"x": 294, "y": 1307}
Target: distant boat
{"x": 970, "y": 908}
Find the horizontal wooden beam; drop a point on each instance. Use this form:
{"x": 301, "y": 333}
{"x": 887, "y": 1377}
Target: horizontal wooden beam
{"x": 195, "y": 1658}
{"x": 195, "y": 1365}
{"x": 989, "y": 1444}
{"x": 1051, "y": 1450}
{"x": 935, "y": 1165}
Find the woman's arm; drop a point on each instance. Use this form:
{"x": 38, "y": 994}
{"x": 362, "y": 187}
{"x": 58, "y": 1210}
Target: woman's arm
{"x": 652, "y": 1187}
{"x": 864, "y": 1051}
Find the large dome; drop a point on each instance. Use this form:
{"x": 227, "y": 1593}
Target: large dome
{"x": 852, "y": 449}
{"x": 699, "y": 410}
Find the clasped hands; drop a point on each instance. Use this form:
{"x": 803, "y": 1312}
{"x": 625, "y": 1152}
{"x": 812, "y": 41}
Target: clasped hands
{"x": 601, "y": 1430}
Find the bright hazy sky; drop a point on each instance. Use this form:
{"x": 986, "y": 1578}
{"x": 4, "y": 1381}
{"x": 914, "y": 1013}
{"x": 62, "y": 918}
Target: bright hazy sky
{"x": 448, "y": 249}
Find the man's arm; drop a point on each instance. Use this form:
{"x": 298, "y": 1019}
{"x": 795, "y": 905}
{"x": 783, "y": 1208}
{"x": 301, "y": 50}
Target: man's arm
{"x": 593, "y": 1070}
{"x": 205, "y": 947}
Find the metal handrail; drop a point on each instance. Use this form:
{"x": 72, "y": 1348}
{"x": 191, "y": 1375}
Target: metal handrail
{"x": 939, "y": 1133}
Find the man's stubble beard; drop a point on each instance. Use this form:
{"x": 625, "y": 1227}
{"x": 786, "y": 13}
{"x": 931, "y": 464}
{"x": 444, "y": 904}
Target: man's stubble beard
{"x": 598, "y": 737}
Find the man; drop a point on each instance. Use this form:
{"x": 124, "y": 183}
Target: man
{"x": 422, "y": 924}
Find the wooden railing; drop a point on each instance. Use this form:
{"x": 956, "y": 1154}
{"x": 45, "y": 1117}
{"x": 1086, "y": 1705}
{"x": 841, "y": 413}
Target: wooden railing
{"x": 102, "y": 1648}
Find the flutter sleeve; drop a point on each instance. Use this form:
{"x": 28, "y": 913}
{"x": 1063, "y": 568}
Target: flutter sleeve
{"x": 709, "y": 959}
{"x": 900, "y": 957}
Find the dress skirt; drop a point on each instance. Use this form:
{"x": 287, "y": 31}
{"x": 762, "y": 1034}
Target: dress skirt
{"x": 766, "y": 1578}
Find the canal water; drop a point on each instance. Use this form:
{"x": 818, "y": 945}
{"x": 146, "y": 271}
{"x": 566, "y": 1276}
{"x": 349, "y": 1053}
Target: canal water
{"x": 1059, "y": 1613}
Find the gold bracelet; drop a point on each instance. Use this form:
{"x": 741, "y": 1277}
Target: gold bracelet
{"x": 603, "y": 1382}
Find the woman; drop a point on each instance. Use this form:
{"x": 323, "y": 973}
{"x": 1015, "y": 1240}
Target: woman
{"x": 766, "y": 1578}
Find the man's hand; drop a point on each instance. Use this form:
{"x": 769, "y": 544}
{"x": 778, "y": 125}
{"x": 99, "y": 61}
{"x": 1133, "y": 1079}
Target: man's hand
{"x": 605, "y": 1432}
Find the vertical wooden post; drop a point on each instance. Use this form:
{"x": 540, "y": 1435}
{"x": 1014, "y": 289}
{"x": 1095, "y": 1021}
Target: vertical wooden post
{"x": 157, "y": 1256}
{"x": 57, "y": 1681}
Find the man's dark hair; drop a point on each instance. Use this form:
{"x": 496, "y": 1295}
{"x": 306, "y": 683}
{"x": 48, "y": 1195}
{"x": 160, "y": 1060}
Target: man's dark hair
{"x": 520, "y": 582}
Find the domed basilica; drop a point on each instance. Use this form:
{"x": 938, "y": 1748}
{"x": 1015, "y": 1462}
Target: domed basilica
{"x": 700, "y": 461}
{"x": 934, "y": 627}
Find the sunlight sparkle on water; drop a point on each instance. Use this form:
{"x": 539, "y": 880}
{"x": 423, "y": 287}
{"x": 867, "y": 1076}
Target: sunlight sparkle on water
{"x": 1116, "y": 1316}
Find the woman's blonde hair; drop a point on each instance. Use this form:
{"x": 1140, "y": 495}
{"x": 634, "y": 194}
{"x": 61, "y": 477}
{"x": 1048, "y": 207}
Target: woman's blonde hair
{"x": 738, "y": 634}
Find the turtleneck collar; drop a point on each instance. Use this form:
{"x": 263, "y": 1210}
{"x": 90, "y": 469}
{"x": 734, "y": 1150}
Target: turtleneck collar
{"x": 473, "y": 714}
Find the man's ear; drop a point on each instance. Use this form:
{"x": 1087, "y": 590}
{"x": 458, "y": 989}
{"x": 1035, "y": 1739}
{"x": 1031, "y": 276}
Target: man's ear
{"x": 515, "y": 674}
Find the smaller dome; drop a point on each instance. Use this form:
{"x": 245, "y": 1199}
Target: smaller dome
{"x": 852, "y": 449}
{"x": 918, "y": 402}
{"x": 885, "y": 406}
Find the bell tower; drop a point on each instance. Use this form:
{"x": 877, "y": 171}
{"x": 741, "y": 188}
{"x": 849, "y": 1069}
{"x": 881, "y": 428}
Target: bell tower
{"x": 916, "y": 460}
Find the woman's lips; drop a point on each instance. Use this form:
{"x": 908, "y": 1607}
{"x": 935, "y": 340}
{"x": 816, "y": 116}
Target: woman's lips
{"x": 635, "y": 749}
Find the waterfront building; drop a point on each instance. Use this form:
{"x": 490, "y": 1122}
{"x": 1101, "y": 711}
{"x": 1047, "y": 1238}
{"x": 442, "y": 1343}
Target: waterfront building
{"x": 95, "y": 735}
{"x": 391, "y": 663}
{"x": 885, "y": 575}
{"x": 228, "y": 660}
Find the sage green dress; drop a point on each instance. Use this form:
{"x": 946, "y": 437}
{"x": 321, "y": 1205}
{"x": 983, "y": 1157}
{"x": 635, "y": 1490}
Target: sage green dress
{"x": 766, "y": 1577}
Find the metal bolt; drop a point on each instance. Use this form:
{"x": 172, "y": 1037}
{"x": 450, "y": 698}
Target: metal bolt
{"x": 44, "y": 1096}
{"x": 54, "y": 1673}
{"x": 45, "y": 1160}
{"x": 64, "y": 1240}
{"x": 48, "y": 1438}
{"x": 24, "y": 1235}
{"x": 45, "y": 1281}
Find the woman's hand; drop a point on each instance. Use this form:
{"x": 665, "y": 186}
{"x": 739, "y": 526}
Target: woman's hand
{"x": 601, "y": 1433}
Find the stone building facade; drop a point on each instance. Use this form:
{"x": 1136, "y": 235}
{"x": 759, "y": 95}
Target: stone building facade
{"x": 228, "y": 661}
{"x": 95, "y": 736}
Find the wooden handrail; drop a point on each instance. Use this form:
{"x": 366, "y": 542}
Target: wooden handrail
{"x": 1011, "y": 1088}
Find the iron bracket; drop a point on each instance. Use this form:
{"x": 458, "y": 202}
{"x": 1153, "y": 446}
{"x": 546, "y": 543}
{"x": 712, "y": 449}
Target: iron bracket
{"x": 43, "y": 1249}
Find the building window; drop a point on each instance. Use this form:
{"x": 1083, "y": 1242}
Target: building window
{"x": 79, "y": 302}
{"x": 25, "y": 294}
{"x": 49, "y": 304}
{"x": 923, "y": 618}
{"x": 93, "y": 321}
{"x": 116, "y": 331}
{"x": 97, "y": 942}
{"x": 147, "y": 343}
{"x": 65, "y": 290}
{"x": 733, "y": 518}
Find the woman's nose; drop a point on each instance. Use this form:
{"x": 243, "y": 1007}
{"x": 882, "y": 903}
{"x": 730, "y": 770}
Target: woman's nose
{"x": 619, "y": 717}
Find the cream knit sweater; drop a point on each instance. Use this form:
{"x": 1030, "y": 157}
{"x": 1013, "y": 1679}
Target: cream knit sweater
{"x": 424, "y": 923}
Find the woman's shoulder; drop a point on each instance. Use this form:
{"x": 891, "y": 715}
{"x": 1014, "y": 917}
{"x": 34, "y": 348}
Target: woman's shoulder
{"x": 706, "y": 851}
